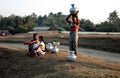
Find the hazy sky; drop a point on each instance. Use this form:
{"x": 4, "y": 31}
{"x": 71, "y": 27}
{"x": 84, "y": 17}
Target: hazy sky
{"x": 95, "y": 10}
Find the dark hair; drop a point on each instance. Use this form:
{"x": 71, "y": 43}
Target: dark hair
{"x": 34, "y": 36}
{"x": 41, "y": 38}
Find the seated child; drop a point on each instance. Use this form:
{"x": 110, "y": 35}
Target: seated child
{"x": 34, "y": 46}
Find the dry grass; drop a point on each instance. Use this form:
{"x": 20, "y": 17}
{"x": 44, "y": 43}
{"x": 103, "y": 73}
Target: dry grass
{"x": 14, "y": 63}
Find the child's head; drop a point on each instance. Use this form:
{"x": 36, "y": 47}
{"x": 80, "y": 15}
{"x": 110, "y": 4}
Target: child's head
{"x": 41, "y": 38}
{"x": 35, "y": 36}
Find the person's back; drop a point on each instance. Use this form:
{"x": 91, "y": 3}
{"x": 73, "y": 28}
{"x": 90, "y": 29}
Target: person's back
{"x": 43, "y": 45}
{"x": 42, "y": 42}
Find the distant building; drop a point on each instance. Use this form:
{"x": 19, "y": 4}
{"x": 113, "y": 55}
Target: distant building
{"x": 41, "y": 28}
{"x": 48, "y": 28}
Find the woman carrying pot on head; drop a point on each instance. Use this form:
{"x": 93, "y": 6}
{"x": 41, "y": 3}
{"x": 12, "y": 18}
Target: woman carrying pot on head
{"x": 74, "y": 27}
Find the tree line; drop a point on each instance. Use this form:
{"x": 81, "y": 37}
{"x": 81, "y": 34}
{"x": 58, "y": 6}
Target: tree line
{"x": 18, "y": 24}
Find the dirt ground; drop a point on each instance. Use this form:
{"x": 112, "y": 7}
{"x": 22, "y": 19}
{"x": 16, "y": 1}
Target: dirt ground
{"x": 14, "y": 63}
{"x": 104, "y": 42}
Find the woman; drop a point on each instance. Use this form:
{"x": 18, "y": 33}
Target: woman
{"x": 75, "y": 23}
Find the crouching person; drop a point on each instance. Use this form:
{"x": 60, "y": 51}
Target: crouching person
{"x": 35, "y": 45}
{"x": 39, "y": 47}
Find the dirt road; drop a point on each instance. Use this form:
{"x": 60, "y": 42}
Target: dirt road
{"x": 101, "y": 55}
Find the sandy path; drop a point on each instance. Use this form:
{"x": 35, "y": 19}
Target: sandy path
{"x": 101, "y": 55}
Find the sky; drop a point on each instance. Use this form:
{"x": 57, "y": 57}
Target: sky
{"x": 95, "y": 10}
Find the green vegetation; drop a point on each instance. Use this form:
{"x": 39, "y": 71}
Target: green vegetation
{"x": 17, "y": 24}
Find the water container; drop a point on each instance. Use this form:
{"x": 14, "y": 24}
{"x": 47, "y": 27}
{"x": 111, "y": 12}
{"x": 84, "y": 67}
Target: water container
{"x": 55, "y": 50}
{"x": 55, "y": 47}
{"x": 73, "y": 9}
{"x": 49, "y": 47}
{"x": 71, "y": 56}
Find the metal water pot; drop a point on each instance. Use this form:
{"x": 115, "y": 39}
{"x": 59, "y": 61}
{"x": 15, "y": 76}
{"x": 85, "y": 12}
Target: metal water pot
{"x": 71, "y": 56}
{"x": 73, "y": 9}
{"x": 49, "y": 47}
{"x": 55, "y": 50}
{"x": 55, "y": 47}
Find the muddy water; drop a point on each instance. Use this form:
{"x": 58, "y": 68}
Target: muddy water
{"x": 101, "y": 55}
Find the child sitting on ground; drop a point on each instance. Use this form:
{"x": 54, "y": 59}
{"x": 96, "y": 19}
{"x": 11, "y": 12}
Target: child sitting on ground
{"x": 35, "y": 46}
{"x": 39, "y": 47}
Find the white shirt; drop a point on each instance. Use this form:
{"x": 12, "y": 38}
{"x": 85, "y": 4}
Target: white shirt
{"x": 39, "y": 43}
{"x": 43, "y": 45}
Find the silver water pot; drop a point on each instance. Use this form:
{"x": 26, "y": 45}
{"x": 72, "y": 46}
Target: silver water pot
{"x": 71, "y": 56}
{"x": 55, "y": 47}
{"x": 55, "y": 50}
{"x": 73, "y": 9}
{"x": 49, "y": 47}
